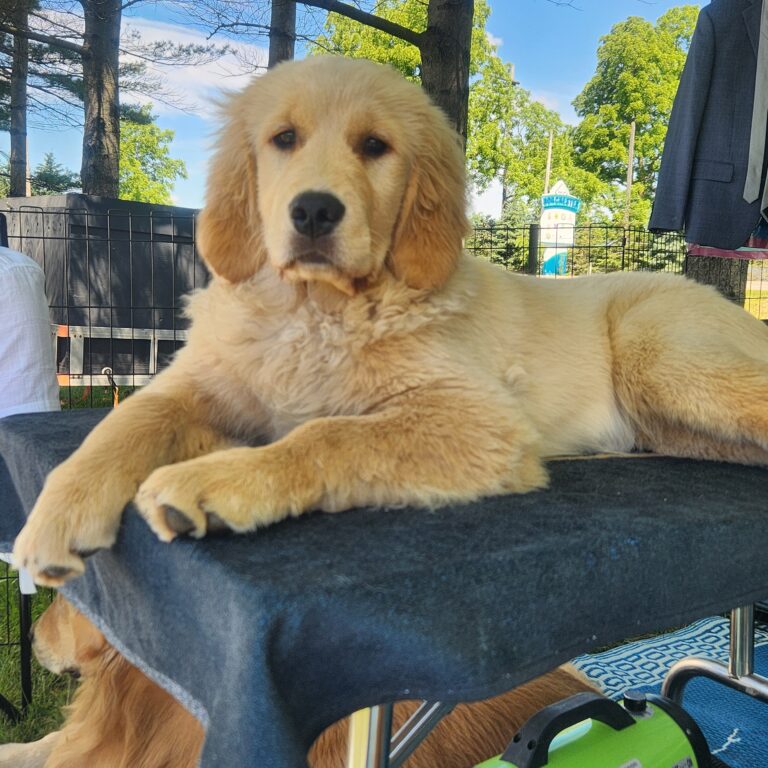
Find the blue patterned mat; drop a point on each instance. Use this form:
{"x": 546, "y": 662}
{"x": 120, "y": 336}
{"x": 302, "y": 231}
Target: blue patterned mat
{"x": 735, "y": 725}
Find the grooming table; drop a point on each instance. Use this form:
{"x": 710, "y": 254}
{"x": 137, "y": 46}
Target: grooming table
{"x": 268, "y": 638}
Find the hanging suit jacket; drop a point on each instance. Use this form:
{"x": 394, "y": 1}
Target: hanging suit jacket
{"x": 704, "y": 164}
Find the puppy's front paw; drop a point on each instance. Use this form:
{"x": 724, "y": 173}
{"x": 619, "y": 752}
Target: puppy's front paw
{"x": 77, "y": 513}
{"x": 172, "y": 502}
{"x": 239, "y": 489}
{"x": 44, "y": 549}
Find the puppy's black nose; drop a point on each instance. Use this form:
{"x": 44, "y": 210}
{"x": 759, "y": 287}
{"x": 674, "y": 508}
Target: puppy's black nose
{"x": 316, "y": 213}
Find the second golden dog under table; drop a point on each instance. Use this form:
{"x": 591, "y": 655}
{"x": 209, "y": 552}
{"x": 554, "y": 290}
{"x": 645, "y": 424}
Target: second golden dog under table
{"x": 270, "y": 637}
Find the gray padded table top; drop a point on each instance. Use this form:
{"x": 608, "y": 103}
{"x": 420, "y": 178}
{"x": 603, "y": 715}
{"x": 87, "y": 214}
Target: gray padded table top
{"x": 270, "y": 637}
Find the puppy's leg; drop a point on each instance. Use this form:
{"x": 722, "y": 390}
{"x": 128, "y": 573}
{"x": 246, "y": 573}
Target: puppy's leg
{"x": 32, "y": 755}
{"x": 430, "y": 448}
{"x": 79, "y": 508}
{"x": 695, "y": 384}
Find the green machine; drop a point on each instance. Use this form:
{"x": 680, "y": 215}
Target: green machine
{"x": 591, "y": 731}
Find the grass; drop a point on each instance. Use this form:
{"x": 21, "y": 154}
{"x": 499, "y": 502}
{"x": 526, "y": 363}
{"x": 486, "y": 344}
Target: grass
{"x": 49, "y": 692}
{"x": 91, "y": 397}
{"x": 756, "y": 303}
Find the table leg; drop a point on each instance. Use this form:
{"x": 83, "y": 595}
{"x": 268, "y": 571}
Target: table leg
{"x": 369, "y": 735}
{"x": 415, "y": 730}
{"x": 737, "y": 674}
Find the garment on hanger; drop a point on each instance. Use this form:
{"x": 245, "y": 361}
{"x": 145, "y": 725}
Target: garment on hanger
{"x": 706, "y": 158}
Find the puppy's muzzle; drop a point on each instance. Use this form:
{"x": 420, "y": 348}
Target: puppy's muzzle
{"x": 315, "y": 215}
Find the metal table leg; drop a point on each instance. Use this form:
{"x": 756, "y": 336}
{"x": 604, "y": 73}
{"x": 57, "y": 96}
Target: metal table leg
{"x": 415, "y": 729}
{"x": 369, "y": 735}
{"x": 737, "y": 674}
{"x": 370, "y": 743}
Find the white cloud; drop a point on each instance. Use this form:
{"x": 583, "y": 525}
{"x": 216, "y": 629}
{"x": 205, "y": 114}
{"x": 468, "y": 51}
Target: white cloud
{"x": 493, "y": 39}
{"x": 558, "y": 102}
{"x": 198, "y": 86}
{"x": 488, "y": 202}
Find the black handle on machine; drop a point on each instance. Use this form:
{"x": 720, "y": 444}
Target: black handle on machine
{"x": 530, "y": 747}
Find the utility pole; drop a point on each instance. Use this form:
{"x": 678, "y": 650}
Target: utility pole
{"x": 549, "y": 164}
{"x": 630, "y": 169}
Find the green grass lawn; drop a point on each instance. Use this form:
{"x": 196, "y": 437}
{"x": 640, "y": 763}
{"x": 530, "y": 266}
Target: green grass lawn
{"x": 49, "y": 692}
{"x": 91, "y": 397}
{"x": 756, "y": 303}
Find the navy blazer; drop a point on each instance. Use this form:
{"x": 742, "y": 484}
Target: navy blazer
{"x": 704, "y": 165}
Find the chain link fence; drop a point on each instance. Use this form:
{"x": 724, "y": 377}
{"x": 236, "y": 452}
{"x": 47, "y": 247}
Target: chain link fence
{"x": 593, "y": 249}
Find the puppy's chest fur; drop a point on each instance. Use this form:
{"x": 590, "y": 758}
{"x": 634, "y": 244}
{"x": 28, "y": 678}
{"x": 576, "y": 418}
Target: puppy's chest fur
{"x": 313, "y": 367}
{"x": 294, "y": 361}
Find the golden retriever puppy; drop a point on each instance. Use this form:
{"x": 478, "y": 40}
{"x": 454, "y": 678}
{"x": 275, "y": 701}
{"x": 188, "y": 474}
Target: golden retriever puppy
{"x": 348, "y": 353}
{"x": 120, "y": 719}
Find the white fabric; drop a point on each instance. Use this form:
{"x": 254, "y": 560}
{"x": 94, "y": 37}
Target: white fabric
{"x": 26, "y": 585}
{"x": 27, "y": 365}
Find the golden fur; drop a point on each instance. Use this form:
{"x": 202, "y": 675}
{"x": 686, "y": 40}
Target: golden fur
{"x": 121, "y": 719}
{"x": 118, "y": 718}
{"x": 378, "y": 364}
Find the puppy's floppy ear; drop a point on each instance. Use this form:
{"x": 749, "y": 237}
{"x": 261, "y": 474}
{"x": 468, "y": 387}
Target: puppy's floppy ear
{"x": 229, "y": 227}
{"x": 433, "y": 217}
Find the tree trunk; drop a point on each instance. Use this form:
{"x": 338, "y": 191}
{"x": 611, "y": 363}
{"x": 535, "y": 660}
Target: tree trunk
{"x": 100, "y": 172}
{"x": 19, "y": 181}
{"x": 445, "y": 58}
{"x": 282, "y": 31}
{"x": 729, "y": 276}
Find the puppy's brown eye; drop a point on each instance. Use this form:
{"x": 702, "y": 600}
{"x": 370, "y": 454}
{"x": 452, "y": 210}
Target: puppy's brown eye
{"x": 373, "y": 147}
{"x": 285, "y": 139}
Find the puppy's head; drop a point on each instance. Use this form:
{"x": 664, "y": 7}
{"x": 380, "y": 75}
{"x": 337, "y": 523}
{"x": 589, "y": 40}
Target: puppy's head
{"x": 332, "y": 170}
{"x": 65, "y": 641}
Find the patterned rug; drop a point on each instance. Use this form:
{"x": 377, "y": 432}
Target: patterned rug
{"x": 735, "y": 725}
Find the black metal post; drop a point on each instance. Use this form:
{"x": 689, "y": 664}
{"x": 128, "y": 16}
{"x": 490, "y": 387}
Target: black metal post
{"x": 534, "y": 240}
{"x": 25, "y": 647}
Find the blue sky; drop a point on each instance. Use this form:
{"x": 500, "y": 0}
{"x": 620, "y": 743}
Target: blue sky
{"x": 553, "y": 48}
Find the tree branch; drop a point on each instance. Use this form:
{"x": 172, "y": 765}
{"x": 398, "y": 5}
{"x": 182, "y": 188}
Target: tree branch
{"x": 54, "y": 42}
{"x": 368, "y": 19}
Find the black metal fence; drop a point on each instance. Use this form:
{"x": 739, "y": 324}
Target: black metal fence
{"x": 116, "y": 278}
{"x": 587, "y": 249}
{"x": 115, "y": 281}
{"x": 582, "y": 250}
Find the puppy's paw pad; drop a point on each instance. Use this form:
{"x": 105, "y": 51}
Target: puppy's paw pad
{"x": 215, "y": 524}
{"x": 177, "y": 521}
{"x": 58, "y": 573}
{"x": 86, "y": 552}
{"x": 55, "y": 575}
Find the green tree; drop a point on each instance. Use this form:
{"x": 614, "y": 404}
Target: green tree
{"x": 638, "y": 70}
{"x": 147, "y": 170}
{"x": 508, "y": 132}
{"x": 346, "y": 36}
{"x": 5, "y": 174}
{"x": 83, "y": 40}
{"x": 509, "y": 141}
{"x": 52, "y": 178}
